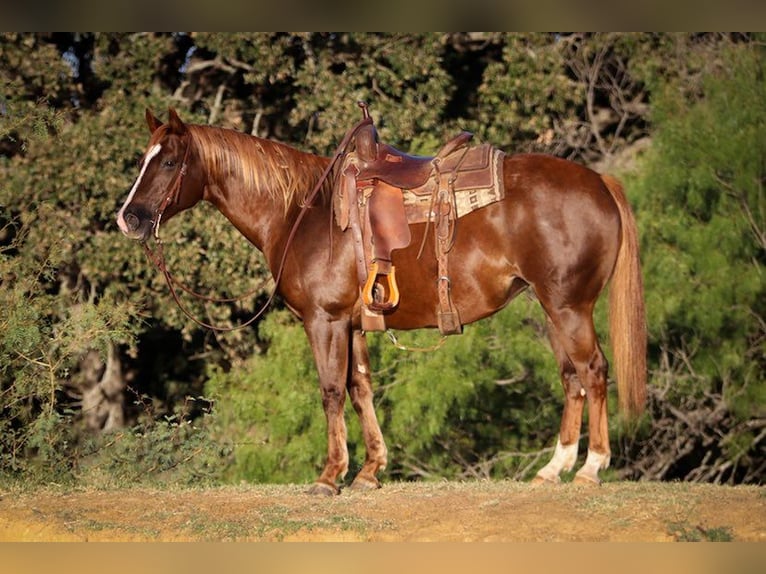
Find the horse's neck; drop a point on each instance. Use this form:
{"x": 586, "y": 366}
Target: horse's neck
{"x": 264, "y": 209}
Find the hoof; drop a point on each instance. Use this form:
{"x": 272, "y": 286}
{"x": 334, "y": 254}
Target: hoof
{"x": 365, "y": 483}
{"x": 545, "y": 480}
{"x": 587, "y": 479}
{"x": 322, "y": 489}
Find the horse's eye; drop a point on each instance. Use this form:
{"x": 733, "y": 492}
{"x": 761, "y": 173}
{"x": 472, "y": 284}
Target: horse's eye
{"x": 169, "y": 163}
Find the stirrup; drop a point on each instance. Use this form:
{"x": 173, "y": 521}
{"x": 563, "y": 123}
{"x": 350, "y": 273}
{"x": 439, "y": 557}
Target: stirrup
{"x": 393, "y": 290}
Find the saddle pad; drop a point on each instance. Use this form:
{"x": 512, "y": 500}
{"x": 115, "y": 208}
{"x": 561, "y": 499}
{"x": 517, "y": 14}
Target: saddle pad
{"x": 478, "y": 183}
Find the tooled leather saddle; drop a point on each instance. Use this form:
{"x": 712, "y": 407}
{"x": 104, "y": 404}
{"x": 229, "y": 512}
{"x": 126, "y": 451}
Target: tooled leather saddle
{"x": 381, "y": 191}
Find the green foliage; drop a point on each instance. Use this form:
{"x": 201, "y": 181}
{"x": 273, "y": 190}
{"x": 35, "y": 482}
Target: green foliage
{"x": 408, "y": 94}
{"x": 683, "y": 532}
{"x": 171, "y": 450}
{"x": 527, "y": 92}
{"x": 269, "y": 407}
{"x": 52, "y": 311}
{"x": 704, "y": 189}
{"x": 43, "y": 334}
{"x": 703, "y": 214}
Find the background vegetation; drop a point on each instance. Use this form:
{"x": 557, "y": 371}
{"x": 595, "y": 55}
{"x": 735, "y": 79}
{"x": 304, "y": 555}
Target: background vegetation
{"x": 103, "y": 381}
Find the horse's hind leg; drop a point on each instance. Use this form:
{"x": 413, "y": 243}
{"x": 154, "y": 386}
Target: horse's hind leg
{"x": 577, "y": 337}
{"x": 565, "y": 455}
{"x": 360, "y": 390}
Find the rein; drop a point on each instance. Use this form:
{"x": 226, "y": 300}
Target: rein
{"x": 395, "y": 342}
{"x": 157, "y": 256}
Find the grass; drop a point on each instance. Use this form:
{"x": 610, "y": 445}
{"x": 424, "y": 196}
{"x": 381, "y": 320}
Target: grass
{"x": 437, "y": 510}
{"x": 272, "y": 523}
{"x": 685, "y": 532}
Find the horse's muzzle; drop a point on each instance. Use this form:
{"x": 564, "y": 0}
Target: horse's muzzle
{"x": 134, "y": 224}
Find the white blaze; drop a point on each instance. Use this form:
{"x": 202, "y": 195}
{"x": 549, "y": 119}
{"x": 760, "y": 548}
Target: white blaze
{"x": 153, "y": 151}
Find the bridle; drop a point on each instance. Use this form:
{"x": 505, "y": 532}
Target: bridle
{"x": 174, "y": 193}
{"x": 157, "y": 255}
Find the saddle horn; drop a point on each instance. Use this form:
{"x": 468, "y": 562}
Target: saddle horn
{"x": 366, "y": 140}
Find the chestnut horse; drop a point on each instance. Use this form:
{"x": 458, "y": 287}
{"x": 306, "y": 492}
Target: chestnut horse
{"x": 562, "y": 231}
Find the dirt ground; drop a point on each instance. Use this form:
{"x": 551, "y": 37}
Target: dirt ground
{"x": 438, "y": 511}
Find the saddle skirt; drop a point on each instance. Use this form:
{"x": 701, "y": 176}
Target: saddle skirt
{"x": 476, "y": 179}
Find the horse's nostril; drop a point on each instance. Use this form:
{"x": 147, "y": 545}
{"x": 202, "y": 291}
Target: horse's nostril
{"x": 132, "y": 221}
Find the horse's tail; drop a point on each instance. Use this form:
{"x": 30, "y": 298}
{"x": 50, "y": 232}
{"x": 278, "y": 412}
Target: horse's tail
{"x": 627, "y": 319}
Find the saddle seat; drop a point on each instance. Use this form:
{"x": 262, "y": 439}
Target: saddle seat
{"x": 379, "y": 161}
{"x": 403, "y": 170}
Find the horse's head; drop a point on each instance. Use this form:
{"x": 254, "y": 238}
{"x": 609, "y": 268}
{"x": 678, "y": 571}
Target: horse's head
{"x": 167, "y": 182}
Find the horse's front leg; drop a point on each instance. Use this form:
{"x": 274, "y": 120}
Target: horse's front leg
{"x": 360, "y": 390}
{"x": 329, "y": 339}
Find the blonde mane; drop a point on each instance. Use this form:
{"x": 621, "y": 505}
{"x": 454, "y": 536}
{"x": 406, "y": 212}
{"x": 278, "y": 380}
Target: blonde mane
{"x": 265, "y": 166}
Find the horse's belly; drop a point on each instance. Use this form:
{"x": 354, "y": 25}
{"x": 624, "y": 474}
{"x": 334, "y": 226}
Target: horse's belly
{"x": 480, "y": 276}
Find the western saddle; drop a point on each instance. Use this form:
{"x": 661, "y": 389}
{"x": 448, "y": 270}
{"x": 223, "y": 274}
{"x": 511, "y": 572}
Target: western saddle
{"x": 382, "y": 190}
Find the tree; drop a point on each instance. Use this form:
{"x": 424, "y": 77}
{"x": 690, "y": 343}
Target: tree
{"x": 70, "y": 321}
{"x": 701, "y": 203}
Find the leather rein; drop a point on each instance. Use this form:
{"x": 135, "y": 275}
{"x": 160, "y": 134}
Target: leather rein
{"x": 157, "y": 255}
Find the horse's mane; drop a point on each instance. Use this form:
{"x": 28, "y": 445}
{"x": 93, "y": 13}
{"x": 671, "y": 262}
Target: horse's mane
{"x": 263, "y": 165}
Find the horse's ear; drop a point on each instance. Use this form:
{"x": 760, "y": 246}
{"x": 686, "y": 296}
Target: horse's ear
{"x": 175, "y": 123}
{"x": 152, "y": 121}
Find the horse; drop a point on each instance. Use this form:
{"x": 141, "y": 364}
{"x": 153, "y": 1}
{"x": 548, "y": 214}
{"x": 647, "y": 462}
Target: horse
{"x": 562, "y": 231}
